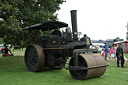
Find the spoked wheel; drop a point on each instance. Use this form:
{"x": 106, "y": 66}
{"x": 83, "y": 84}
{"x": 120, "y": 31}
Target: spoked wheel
{"x": 78, "y": 74}
{"x": 34, "y": 58}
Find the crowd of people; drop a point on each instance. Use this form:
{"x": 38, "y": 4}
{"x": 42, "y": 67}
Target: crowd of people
{"x": 116, "y": 53}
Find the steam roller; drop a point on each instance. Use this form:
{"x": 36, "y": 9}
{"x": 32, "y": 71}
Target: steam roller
{"x": 53, "y": 51}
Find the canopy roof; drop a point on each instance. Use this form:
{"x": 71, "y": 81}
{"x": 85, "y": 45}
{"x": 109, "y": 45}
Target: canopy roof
{"x": 49, "y": 25}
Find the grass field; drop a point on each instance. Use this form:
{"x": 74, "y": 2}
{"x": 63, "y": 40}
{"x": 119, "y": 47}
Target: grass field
{"x": 13, "y": 72}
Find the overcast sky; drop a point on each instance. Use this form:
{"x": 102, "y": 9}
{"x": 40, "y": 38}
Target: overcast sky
{"x": 99, "y": 19}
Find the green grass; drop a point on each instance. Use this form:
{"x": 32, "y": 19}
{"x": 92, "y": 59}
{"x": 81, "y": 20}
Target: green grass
{"x": 13, "y": 72}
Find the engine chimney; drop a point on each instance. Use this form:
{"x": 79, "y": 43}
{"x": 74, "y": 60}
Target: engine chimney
{"x": 74, "y": 23}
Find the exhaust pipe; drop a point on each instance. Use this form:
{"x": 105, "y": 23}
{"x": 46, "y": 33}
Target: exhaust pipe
{"x": 74, "y": 23}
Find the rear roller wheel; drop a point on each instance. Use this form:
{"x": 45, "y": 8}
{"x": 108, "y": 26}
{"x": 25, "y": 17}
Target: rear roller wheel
{"x": 34, "y": 58}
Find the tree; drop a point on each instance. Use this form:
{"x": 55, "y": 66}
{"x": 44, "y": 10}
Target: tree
{"x": 1, "y": 41}
{"x": 16, "y": 14}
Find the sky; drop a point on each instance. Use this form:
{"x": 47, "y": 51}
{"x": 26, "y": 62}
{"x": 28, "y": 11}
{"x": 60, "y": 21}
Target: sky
{"x": 99, "y": 19}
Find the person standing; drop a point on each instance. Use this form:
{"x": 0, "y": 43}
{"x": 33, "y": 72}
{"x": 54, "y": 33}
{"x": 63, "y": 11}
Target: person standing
{"x": 115, "y": 47}
{"x": 112, "y": 53}
{"x": 120, "y": 55}
{"x": 106, "y": 50}
{"x": 102, "y": 53}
